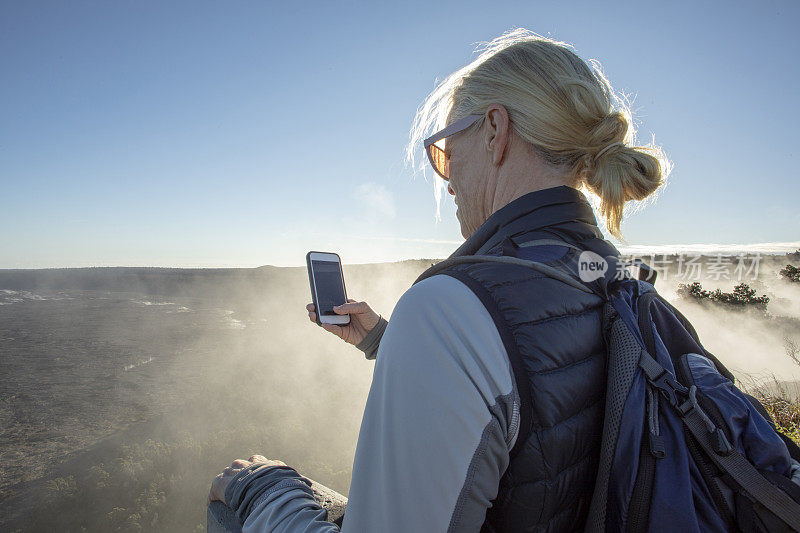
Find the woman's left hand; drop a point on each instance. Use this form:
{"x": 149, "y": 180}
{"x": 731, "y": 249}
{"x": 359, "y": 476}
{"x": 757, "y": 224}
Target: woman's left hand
{"x": 220, "y": 483}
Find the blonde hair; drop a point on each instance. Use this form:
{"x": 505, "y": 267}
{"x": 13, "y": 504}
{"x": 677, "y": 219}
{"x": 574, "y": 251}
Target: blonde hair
{"x": 566, "y": 110}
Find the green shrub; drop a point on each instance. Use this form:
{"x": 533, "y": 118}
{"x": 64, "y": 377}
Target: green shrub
{"x": 742, "y": 297}
{"x": 785, "y": 414}
{"x": 791, "y": 273}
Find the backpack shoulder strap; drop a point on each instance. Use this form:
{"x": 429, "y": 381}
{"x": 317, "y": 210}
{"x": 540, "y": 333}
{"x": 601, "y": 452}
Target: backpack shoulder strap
{"x": 624, "y": 354}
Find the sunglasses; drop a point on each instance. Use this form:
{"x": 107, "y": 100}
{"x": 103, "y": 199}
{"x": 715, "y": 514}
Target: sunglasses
{"x": 440, "y": 161}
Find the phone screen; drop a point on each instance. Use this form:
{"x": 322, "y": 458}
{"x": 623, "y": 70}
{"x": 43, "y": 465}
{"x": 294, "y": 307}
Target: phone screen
{"x": 328, "y": 280}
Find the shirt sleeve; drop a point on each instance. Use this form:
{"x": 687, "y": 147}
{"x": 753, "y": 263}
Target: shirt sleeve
{"x": 276, "y": 498}
{"x": 289, "y": 508}
{"x": 441, "y": 416}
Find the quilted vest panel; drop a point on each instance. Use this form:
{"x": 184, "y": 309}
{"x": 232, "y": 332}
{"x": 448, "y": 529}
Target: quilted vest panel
{"x": 556, "y": 329}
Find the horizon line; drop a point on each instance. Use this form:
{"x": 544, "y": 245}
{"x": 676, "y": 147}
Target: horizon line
{"x": 765, "y": 248}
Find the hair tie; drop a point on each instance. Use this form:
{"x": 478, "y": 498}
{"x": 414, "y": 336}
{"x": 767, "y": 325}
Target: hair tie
{"x": 604, "y": 150}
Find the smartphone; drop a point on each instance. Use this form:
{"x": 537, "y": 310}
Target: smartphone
{"x": 327, "y": 286}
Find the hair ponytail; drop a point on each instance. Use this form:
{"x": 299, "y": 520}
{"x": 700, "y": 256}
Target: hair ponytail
{"x": 620, "y": 175}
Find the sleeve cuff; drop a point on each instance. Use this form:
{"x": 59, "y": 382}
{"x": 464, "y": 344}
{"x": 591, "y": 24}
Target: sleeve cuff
{"x": 249, "y": 485}
{"x": 369, "y": 345}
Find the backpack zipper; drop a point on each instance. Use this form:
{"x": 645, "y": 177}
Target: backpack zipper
{"x": 639, "y": 506}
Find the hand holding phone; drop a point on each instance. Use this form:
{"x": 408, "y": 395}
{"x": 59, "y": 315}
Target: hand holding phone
{"x": 362, "y": 320}
{"x": 328, "y": 292}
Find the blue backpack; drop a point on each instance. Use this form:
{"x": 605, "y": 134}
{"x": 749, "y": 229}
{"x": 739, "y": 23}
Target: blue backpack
{"x": 683, "y": 449}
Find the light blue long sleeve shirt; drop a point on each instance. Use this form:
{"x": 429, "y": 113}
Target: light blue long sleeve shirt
{"x": 441, "y": 418}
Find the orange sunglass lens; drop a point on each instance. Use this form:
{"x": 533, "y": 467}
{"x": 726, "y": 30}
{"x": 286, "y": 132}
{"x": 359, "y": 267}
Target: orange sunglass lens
{"x": 440, "y": 162}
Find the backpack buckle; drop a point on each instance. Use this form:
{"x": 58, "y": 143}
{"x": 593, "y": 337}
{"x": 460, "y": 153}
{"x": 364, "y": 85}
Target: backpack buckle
{"x": 669, "y": 387}
{"x": 719, "y": 441}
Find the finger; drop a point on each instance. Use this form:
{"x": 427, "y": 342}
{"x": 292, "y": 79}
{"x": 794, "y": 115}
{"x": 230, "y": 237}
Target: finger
{"x": 351, "y": 308}
{"x": 310, "y": 307}
{"x": 240, "y": 463}
{"x": 312, "y": 317}
{"x": 258, "y": 459}
{"x": 216, "y": 485}
{"x": 333, "y": 328}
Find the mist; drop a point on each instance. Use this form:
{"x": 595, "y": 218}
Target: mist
{"x": 125, "y": 391}
{"x": 164, "y": 377}
{"x": 752, "y": 345}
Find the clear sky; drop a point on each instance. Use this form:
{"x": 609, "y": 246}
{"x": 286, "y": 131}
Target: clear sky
{"x": 244, "y": 134}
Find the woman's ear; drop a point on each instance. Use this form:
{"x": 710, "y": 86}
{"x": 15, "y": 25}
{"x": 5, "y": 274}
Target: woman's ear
{"x": 496, "y": 132}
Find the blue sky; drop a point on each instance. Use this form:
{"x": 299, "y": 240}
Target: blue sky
{"x": 244, "y": 134}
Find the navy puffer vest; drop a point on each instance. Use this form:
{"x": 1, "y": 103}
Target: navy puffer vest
{"x": 553, "y": 335}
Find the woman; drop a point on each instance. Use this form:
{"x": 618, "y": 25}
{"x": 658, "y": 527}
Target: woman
{"x": 486, "y": 405}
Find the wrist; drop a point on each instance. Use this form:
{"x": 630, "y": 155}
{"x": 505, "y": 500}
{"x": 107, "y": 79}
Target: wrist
{"x": 369, "y": 344}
